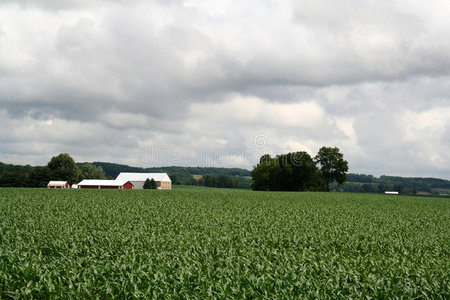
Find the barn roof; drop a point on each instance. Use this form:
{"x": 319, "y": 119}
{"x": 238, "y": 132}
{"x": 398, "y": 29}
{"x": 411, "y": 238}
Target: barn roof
{"x": 101, "y": 182}
{"x": 143, "y": 176}
{"x": 57, "y": 183}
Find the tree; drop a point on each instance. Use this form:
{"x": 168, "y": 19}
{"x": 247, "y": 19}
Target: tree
{"x": 90, "y": 171}
{"x": 381, "y": 188}
{"x": 39, "y": 177}
{"x": 150, "y": 184}
{"x": 173, "y": 178}
{"x": 63, "y": 167}
{"x": 332, "y": 165}
{"x": 153, "y": 185}
{"x": 295, "y": 171}
{"x": 147, "y": 184}
{"x": 265, "y": 173}
{"x": 399, "y": 187}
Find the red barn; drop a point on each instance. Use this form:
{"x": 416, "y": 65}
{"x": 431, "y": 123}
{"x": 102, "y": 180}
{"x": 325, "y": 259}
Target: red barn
{"x": 105, "y": 184}
{"x": 58, "y": 185}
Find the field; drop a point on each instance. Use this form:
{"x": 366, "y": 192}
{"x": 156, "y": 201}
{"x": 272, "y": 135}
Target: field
{"x": 212, "y": 243}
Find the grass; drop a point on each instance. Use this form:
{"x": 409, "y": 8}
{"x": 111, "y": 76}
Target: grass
{"x": 217, "y": 243}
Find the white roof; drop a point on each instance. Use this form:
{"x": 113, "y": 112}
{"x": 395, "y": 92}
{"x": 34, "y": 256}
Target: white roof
{"x": 57, "y": 183}
{"x": 143, "y": 176}
{"x": 97, "y": 182}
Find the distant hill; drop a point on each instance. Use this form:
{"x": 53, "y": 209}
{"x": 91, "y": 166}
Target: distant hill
{"x": 182, "y": 174}
{"x": 406, "y": 185}
{"x": 406, "y": 181}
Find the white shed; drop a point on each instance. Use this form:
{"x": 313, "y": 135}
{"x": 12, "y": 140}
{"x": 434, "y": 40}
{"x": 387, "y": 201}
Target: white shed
{"x": 58, "y": 185}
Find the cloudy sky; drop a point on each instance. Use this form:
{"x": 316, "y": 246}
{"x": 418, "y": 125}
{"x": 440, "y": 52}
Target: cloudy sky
{"x": 219, "y": 83}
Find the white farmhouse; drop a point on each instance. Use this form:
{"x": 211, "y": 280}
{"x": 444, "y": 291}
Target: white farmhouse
{"x": 162, "y": 180}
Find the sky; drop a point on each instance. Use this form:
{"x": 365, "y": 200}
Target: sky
{"x": 220, "y": 83}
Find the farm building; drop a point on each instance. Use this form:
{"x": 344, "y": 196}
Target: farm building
{"x": 197, "y": 176}
{"x": 105, "y": 184}
{"x": 162, "y": 180}
{"x": 391, "y": 193}
{"x": 58, "y": 185}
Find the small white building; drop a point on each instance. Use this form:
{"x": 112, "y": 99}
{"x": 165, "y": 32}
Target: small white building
{"x": 58, "y": 185}
{"x": 391, "y": 193}
{"x": 162, "y": 180}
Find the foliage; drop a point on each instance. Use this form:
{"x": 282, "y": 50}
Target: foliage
{"x": 222, "y": 244}
{"x": 90, "y": 171}
{"x": 287, "y": 172}
{"x": 333, "y": 167}
{"x": 39, "y": 177}
{"x": 173, "y": 178}
{"x": 147, "y": 184}
{"x": 150, "y": 184}
{"x": 13, "y": 175}
{"x": 63, "y": 167}
{"x": 404, "y": 185}
{"x": 153, "y": 185}
{"x": 216, "y": 182}
{"x": 360, "y": 178}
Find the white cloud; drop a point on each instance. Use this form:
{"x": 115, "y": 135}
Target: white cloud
{"x": 252, "y": 110}
{"x": 294, "y": 146}
{"x": 54, "y": 4}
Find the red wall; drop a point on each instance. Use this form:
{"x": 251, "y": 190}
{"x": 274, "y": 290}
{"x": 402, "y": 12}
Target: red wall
{"x": 88, "y": 187}
{"x": 109, "y": 187}
{"x": 128, "y": 186}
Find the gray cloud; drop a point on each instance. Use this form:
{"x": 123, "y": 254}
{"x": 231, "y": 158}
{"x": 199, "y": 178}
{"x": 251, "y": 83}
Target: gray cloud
{"x": 197, "y": 81}
{"x": 55, "y": 4}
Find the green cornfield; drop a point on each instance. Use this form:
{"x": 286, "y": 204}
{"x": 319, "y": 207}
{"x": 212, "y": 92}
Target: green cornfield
{"x": 201, "y": 243}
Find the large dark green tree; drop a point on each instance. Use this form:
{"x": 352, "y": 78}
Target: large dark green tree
{"x": 147, "y": 184}
{"x": 265, "y": 174}
{"x": 332, "y": 165}
{"x": 295, "y": 171}
{"x": 63, "y": 167}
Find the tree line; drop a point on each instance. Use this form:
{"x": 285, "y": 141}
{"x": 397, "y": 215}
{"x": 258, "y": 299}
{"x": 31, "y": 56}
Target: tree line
{"x": 406, "y": 187}
{"x": 213, "y": 181}
{"x": 182, "y": 174}
{"x": 61, "y": 167}
{"x": 269, "y": 177}
{"x": 298, "y": 171}
{"x": 418, "y": 183}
